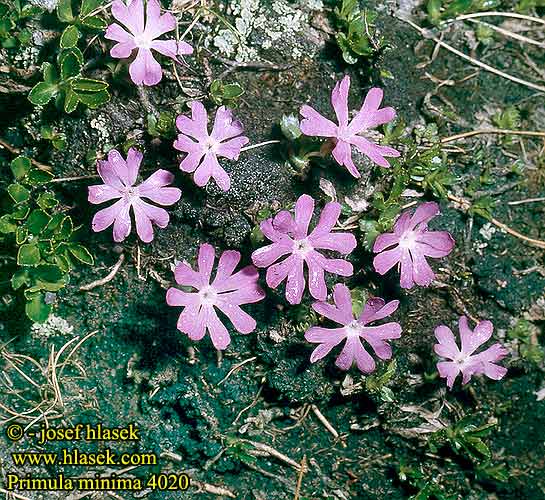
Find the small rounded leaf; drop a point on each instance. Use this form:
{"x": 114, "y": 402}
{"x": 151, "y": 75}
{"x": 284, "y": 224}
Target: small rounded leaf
{"x": 69, "y": 37}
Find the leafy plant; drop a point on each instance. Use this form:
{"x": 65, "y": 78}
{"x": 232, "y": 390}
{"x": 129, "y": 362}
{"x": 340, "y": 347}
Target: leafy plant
{"x": 42, "y": 234}
{"x": 440, "y": 10}
{"x": 529, "y": 349}
{"x": 465, "y": 438}
{"x": 57, "y": 139}
{"x": 300, "y": 148}
{"x": 12, "y": 15}
{"x": 225, "y": 94}
{"x": 357, "y": 35}
{"x": 427, "y": 488}
{"x": 67, "y": 85}
{"x": 163, "y": 125}
{"x": 85, "y": 19}
{"x": 377, "y": 383}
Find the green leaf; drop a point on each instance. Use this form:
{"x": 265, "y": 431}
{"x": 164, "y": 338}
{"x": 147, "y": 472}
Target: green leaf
{"x": 70, "y": 65}
{"x": 20, "y": 277}
{"x": 50, "y": 73}
{"x": 37, "y": 176}
{"x": 47, "y": 201}
{"x": 49, "y": 277}
{"x": 64, "y": 262}
{"x": 88, "y": 85}
{"x": 55, "y": 222}
{"x": 88, "y": 6}
{"x": 42, "y": 93}
{"x": 64, "y": 11}
{"x": 36, "y": 308}
{"x": 71, "y": 101}
{"x": 479, "y": 446}
{"x": 18, "y": 193}
{"x": 21, "y": 235}
{"x": 66, "y": 228}
{"x": 6, "y": 226}
{"x": 20, "y": 166}
{"x": 69, "y": 37}
{"x": 94, "y": 22}
{"x": 20, "y": 213}
{"x": 95, "y": 99}
{"x": 81, "y": 253}
{"x": 37, "y": 221}
{"x": 346, "y": 50}
{"x": 28, "y": 255}
{"x": 433, "y": 8}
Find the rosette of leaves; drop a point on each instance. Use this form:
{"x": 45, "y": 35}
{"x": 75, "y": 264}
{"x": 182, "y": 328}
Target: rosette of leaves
{"x": 86, "y": 19}
{"x": 356, "y": 36}
{"x": 465, "y": 438}
{"x": 67, "y": 86}
{"x": 300, "y": 148}
{"x": 42, "y": 234}
{"x": 225, "y": 94}
{"x": 13, "y": 13}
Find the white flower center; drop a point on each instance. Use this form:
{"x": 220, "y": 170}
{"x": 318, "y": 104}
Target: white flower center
{"x": 142, "y": 41}
{"x": 302, "y": 247}
{"x": 353, "y": 329}
{"x": 210, "y": 145}
{"x": 343, "y": 134}
{"x": 407, "y": 240}
{"x": 131, "y": 194}
{"x": 208, "y": 295}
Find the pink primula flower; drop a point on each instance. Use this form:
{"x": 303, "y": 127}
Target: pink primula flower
{"x": 356, "y": 132}
{"x": 226, "y": 140}
{"x": 410, "y": 244}
{"x": 142, "y": 34}
{"x": 354, "y": 330}
{"x": 291, "y": 237}
{"x": 464, "y": 361}
{"x": 227, "y": 292}
{"x": 119, "y": 177}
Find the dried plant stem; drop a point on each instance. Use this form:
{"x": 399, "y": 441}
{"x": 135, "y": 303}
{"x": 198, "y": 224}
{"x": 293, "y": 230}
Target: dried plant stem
{"x": 273, "y": 453}
{"x": 497, "y": 14}
{"x": 72, "y": 179}
{"x": 13, "y": 494}
{"x": 496, "y": 131}
{"x": 303, "y": 469}
{"x": 527, "y": 200}
{"x": 17, "y": 151}
{"x": 102, "y": 281}
{"x": 214, "y": 490}
{"x": 235, "y": 368}
{"x": 510, "y": 34}
{"x": 425, "y": 34}
{"x": 254, "y": 146}
{"x": 465, "y": 205}
{"x": 325, "y": 421}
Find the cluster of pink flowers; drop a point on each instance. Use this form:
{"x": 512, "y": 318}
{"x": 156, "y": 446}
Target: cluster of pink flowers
{"x": 300, "y": 252}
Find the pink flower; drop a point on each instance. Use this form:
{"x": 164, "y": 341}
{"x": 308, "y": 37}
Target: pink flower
{"x": 354, "y": 330}
{"x": 202, "y": 156}
{"x": 465, "y": 361}
{"x": 227, "y": 293}
{"x": 410, "y": 244}
{"x": 347, "y": 134}
{"x": 291, "y": 237}
{"x": 142, "y": 35}
{"x": 119, "y": 177}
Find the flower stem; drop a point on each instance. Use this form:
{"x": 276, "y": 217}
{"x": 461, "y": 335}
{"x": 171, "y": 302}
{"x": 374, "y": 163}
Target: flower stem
{"x": 254, "y": 146}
